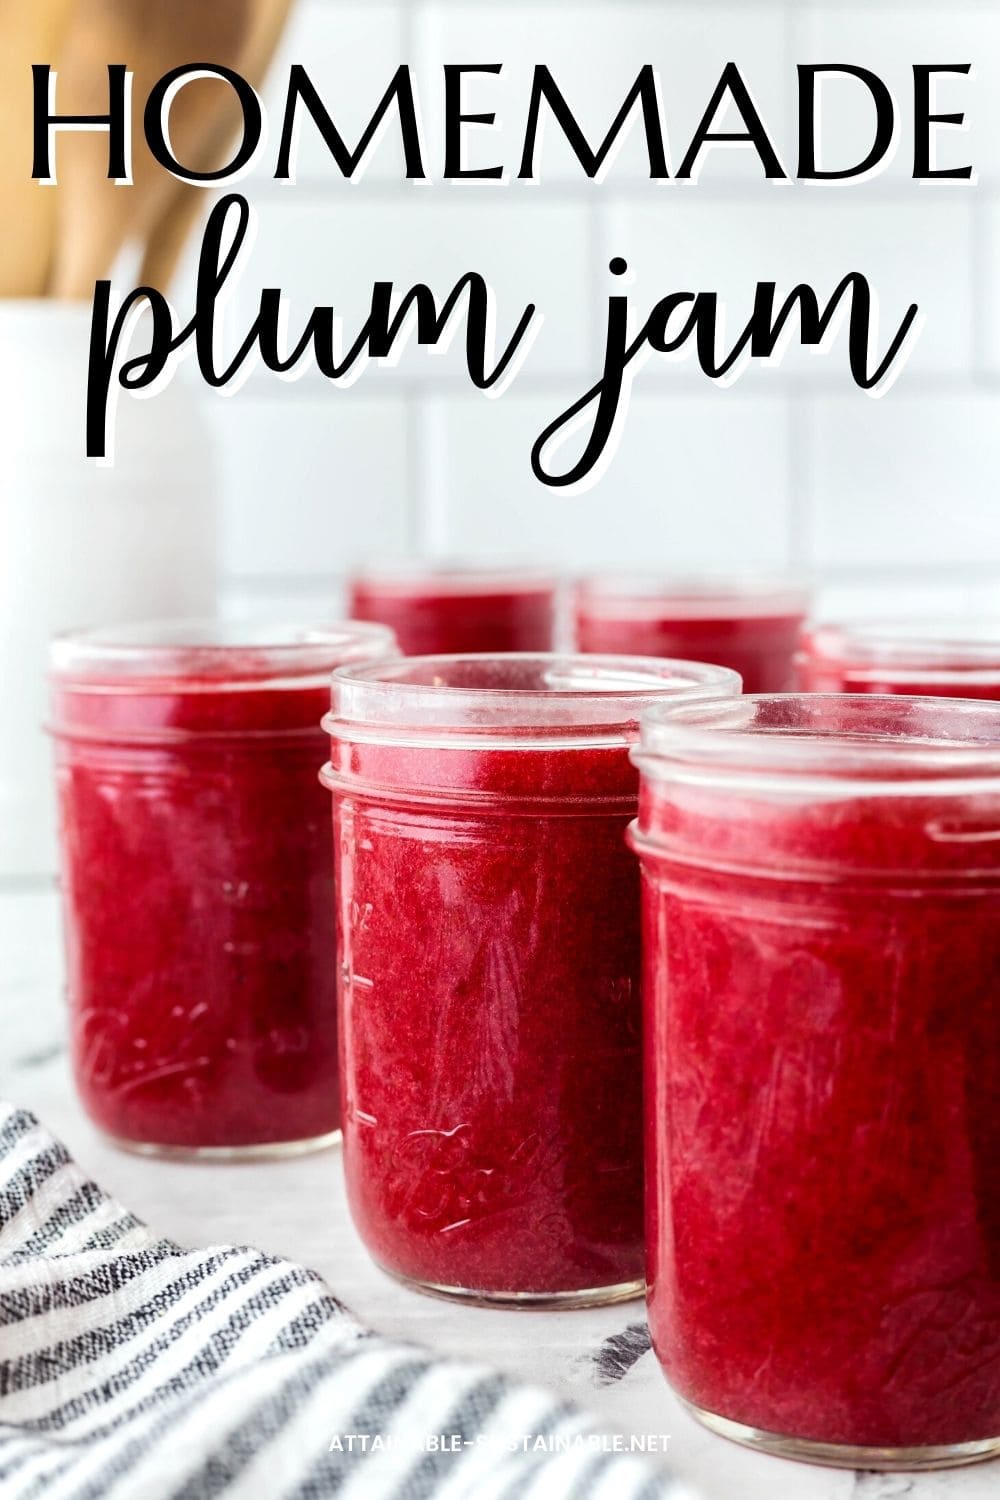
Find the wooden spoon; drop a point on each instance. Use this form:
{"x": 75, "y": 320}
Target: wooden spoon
{"x": 29, "y": 33}
{"x": 96, "y": 219}
{"x": 169, "y": 233}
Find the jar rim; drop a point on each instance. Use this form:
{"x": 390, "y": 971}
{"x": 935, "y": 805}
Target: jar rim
{"x": 876, "y": 738}
{"x": 938, "y": 647}
{"x": 512, "y": 695}
{"x": 212, "y": 652}
{"x": 453, "y": 576}
{"x": 692, "y": 597}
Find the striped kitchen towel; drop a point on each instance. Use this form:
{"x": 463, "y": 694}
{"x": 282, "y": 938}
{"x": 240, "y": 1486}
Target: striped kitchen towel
{"x": 131, "y": 1367}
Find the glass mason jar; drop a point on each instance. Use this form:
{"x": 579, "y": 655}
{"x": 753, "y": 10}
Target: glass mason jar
{"x": 948, "y": 659}
{"x": 751, "y": 626}
{"x": 198, "y": 881}
{"x": 821, "y": 894}
{"x": 488, "y": 928}
{"x": 437, "y": 609}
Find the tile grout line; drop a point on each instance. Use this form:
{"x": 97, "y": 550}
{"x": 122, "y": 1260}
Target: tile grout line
{"x": 800, "y": 481}
{"x": 417, "y": 497}
{"x": 797, "y": 414}
{"x": 980, "y": 281}
{"x": 957, "y": 575}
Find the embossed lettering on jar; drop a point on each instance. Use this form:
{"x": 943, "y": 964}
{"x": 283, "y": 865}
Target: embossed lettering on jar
{"x": 488, "y": 913}
{"x": 822, "y": 956}
{"x": 198, "y": 881}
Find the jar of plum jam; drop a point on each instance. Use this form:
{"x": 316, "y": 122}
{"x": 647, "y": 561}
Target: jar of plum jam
{"x": 751, "y": 626}
{"x": 488, "y": 927}
{"x": 198, "y": 881}
{"x": 821, "y": 891}
{"x": 950, "y": 659}
{"x": 446, "y": 608}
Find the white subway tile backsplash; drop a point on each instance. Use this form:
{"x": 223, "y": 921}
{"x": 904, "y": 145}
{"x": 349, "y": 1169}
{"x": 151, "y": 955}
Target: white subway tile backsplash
{"x": 320, "y": 600}
{"x": 906, "y": 481}
{"x": 310, "y": 485}
{"x": 696, "y": 483}
{"x": 889, "y": 597}
{"x": 989, "y": 289}
{"x": 891, "y": 502}
{"x": 984, "y": 596}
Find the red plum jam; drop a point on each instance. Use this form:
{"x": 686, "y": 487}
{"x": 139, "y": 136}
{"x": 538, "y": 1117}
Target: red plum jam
{"x": 751, "y": 627}
{"x": 198, "y": 881}
{"x": 946, "y": 659}
{"x": 489, "y": 943}
{"x": 821, "y": 894}
{"x": 439, "y": 609}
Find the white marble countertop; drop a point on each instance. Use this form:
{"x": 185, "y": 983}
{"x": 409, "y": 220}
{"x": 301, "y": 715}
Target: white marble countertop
{"x": 297, "y": 1209}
